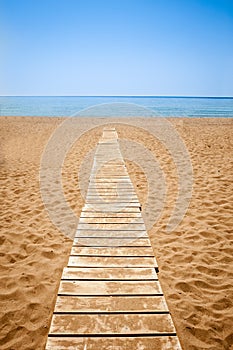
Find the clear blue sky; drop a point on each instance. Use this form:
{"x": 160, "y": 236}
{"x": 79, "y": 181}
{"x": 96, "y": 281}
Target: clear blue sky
{"x": 116, "y": 47}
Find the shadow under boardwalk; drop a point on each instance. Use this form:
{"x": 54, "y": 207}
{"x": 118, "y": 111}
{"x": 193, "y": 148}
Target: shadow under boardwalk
{"x": 109, "y": 295}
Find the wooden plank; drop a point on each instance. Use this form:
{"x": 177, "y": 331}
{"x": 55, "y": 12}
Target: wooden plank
{"x": 117, "y": 193}
{"x": 118, "y": 179}
{"x": 123, "y": 196}
{"x": 122, "y": 182}
{"x": 110, "y": 189}
{"x": 114, "y": 204}
{"x": 108, "y": 154}
{"x": 110, "y": 195}
{"x": 114, "y": 190}
{"x": 101, "y": 171}
{"x": 114, "y": 343}
{"x": 82, "y": 261}
{"x": 111, "y": 215}
{"x": 110, "y": 170}
{"x": 127, "y": 198}
{"x": 107, "y": 209}
{"x": 108, "y": 145}
{"x": 114, "y": 201}
{"x": 120, "y": 185}
{"x": 116, "y": 162}
{"x": 118, "y": 172}
{"x": 112, "y": 251}
{"x": 117, "y": 185}
{"x": 110, "y": 166}
{"x": 111, "y": 242}
{"x": 109, "y": 287}
{"x": 113, "y": 194}
{"x": 110, "y": 233}
{"x": 113, "y": 198}
{"x": 106, "y": 206}
{"x": 101, "y": 168}
{"x": 113, "y": 164}
{"x": 125, "y": 226}
{"x": 107, "y": 189}
{"x": 112, "y": 226}
{"x": 109, "y": 273}
{"x": 97, "y": 173}
{"x": 112, "y": 324}
{"x": 110, "y": 304}
{"x": 109, "y": 220}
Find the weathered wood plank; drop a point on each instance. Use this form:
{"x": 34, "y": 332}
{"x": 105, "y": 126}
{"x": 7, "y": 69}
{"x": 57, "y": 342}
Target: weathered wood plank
{"x": 102, "y": 165}
{"x": 65, "y": 304}
{"x": 114, "y": 221}
{"x": 112, "y": 242}
{"x": 93, "y": 186}
{"x": 115, "y": 203}
{"x": 95, "y": 178}
{"x": 100, "y": 173}
{"x": 112, "y": 226}
{"x": 117, "y": 173}
{"x": 129, "y": 197}
{"x": 108, "y": 182}
{"x": 109, "y": 273}
{"x": 110, "y": 215}
{"x": 112, "y": 164}
{"x": 107, "y": 209}
{"x": 120, "y": 185}
{"x": 112, "y": 324}
{"x": 102, "y": 191}
{"x": 114, "y": 343}
{"x": 108, "y": 189}
{"x": 94, "y": 261}
{"x": 109, "y": 287}
{"x": 112, "y": 251}
{"x": 113, "y": 195}
{"x": 110, "y": 233}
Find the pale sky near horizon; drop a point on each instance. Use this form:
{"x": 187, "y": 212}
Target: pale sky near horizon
{"x": 116, "y": 47}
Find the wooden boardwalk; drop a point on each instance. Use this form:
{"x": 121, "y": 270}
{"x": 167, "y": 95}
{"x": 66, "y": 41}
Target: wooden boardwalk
{"x": 110, "y": 296}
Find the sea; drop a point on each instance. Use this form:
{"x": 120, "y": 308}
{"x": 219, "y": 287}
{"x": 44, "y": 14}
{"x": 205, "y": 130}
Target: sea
{"x": 117, "y": 106}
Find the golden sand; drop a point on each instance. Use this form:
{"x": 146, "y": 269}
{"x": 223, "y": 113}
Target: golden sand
{"x": 195, "y": 260}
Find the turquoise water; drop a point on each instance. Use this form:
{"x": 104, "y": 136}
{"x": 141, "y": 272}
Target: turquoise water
{"x": 158, "y": 106}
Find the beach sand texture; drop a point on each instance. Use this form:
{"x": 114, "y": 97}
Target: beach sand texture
{"x": 195, "y": 260}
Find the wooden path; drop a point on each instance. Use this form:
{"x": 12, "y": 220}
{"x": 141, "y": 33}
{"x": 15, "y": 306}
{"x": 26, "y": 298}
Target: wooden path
{"x": 109, "y": 295}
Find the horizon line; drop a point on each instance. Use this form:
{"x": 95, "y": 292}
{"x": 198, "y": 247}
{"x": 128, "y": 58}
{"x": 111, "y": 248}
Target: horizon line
{"x": 125, "y": 96}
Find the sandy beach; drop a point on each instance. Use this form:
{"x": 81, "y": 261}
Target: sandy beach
{"x": 195, "y": 260}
